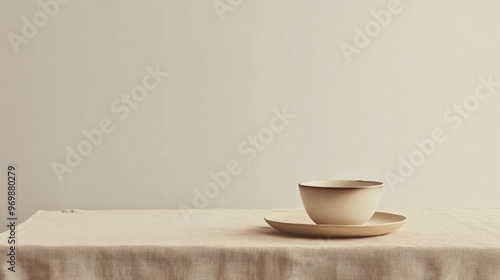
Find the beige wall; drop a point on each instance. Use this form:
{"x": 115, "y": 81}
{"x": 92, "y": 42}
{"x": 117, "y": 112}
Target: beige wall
{"x": 355, "y": 102}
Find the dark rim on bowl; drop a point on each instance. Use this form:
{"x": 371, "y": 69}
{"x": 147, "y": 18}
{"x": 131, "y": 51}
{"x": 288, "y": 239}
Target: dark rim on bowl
{"x": 342, "y": 184}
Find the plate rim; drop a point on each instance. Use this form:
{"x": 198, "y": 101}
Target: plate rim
{"x": 404, "y": 220}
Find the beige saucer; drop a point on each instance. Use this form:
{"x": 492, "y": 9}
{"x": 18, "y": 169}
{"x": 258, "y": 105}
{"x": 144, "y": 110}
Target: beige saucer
{"x": 298, "y": 222}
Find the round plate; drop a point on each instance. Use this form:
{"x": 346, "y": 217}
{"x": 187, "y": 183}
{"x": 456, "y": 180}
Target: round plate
{"x": 298, "y": 222}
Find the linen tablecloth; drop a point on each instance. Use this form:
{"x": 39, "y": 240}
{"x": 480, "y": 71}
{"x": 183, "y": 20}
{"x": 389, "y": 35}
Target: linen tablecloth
{"x": 238, "y": 244}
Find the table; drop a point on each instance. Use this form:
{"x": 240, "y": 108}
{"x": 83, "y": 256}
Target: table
{"x": 238, "y": 244}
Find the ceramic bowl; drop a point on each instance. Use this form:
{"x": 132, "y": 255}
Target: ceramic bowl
{"x": 340, "y": 202}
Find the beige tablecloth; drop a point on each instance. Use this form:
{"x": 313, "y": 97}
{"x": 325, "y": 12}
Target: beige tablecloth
{"x": 238, "y": 244}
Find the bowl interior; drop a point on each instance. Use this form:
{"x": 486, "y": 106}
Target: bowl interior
{"x": 342, "y": 184}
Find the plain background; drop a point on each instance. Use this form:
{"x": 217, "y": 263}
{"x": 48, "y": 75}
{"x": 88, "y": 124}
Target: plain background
{"x": 353, "y": 120}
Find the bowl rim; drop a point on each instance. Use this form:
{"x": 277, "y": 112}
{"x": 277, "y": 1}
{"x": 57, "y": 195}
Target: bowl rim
{"x": 343, "y": 184}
